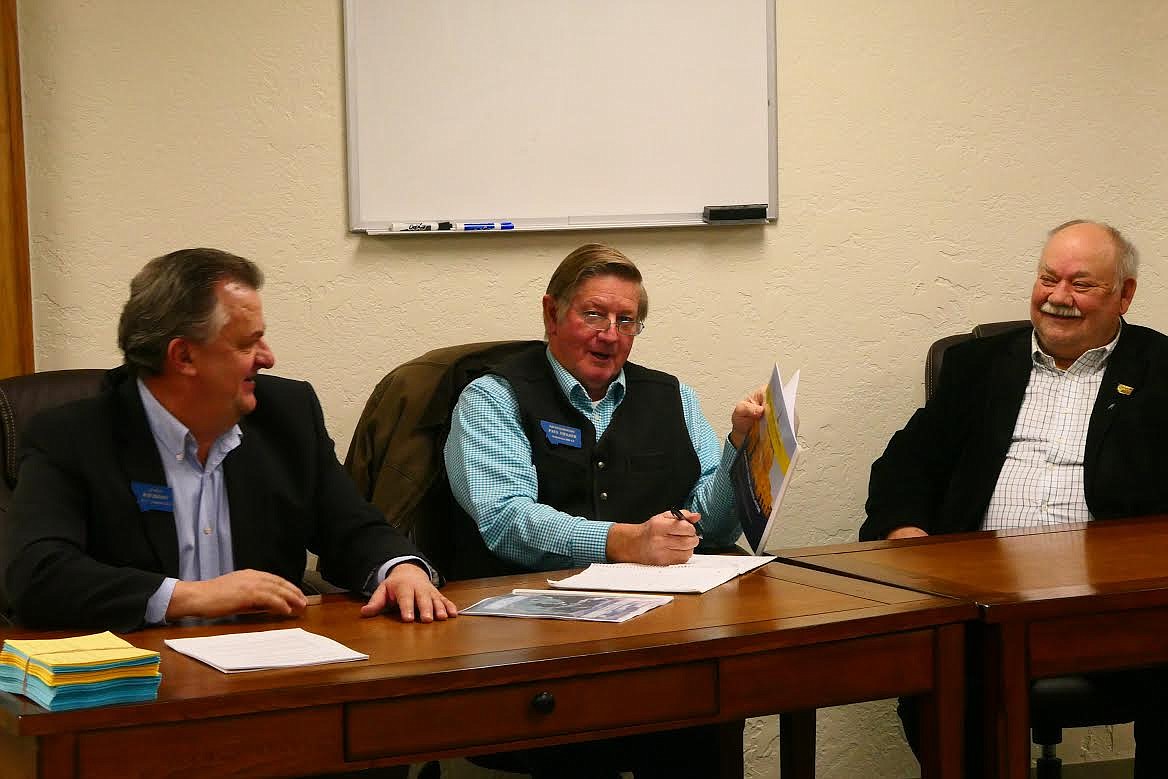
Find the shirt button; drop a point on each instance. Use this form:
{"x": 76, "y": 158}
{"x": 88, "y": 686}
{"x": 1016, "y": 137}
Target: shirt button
{"x": 604, "y": 496}
{"x": 600, "y": 465}
{"x": 206, "y": 531}
{"x": 180, "y": 457}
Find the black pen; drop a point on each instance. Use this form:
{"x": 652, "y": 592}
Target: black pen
{"x": 680, "y": 516}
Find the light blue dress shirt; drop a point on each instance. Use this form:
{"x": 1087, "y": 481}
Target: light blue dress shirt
{"x": 488, "y": 461}
{"x": 202, "y": 516}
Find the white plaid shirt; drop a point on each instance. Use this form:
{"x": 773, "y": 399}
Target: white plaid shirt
{"x": 1041, "y": 482}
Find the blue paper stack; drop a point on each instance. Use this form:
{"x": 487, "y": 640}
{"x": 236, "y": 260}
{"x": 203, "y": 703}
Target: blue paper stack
{"x": 79, "y": 672}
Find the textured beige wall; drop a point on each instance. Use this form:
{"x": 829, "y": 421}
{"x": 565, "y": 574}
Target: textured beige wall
{"x": 924, "y": 148}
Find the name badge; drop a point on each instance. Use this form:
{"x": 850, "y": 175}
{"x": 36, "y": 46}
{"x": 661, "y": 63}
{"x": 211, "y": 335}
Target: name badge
{"x": 153, "y": 497}
{"x": 562, "y": 434}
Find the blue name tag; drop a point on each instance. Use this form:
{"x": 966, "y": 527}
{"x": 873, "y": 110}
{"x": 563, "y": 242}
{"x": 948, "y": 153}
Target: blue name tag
{"x": 562, "y": 434}
{"x": 153, "y": 497}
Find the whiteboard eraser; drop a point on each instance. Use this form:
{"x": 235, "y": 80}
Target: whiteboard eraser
{"x": 743, "y": 213}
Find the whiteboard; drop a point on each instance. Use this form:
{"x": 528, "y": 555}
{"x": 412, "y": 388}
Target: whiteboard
{"x": 558, "y": 114}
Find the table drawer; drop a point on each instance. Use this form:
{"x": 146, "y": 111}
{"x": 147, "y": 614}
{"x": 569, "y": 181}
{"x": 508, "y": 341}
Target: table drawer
{"x": 277, "y": 743}
{"x": 495, "y": 715}
{"x": 829, "y": 674}
{"x": 1080, "y": 643}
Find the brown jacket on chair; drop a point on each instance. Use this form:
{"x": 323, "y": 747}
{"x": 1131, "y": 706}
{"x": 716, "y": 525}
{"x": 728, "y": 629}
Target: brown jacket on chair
{"x": 395, "y": 456}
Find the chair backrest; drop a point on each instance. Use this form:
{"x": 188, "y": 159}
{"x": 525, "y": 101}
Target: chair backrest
{"x": 936, "y": 353}
{"x": 395, "y": 456}
{"x": 21, "y": 398}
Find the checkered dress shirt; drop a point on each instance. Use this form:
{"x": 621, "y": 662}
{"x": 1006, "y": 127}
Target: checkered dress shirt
{"x": 1041, "y": 482}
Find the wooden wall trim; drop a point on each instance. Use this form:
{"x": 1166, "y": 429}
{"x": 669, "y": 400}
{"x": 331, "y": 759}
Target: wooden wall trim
{"x": 16, "y": 335}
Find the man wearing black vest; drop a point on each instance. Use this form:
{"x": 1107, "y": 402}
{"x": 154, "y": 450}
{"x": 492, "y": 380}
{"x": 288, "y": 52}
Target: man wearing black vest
{"x": 566, "y": 455}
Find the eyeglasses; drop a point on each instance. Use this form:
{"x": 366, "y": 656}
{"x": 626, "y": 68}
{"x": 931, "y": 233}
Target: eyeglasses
{"x": 600, "y": 323}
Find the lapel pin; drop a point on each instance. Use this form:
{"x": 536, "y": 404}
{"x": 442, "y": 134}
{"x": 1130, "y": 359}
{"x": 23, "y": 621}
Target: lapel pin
{"x": 1123, "y": 389}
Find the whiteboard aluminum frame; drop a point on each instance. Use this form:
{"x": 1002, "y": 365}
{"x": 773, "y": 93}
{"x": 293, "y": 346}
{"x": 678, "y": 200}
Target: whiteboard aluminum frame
{"x": 359, "y": 224}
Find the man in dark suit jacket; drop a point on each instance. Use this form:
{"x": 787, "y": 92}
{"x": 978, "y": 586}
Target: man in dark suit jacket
{"x": 944, "y": 470}
{"x": 1061, "y": 423}
{"x": 940, "y": 471}
{"x": 192, "y": 486}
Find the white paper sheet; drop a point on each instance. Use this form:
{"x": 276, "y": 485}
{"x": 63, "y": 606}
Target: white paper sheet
{"x": 290, "y": 648}
{"x": 701, "y": 574}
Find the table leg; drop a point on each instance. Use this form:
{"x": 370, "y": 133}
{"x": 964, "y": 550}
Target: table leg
{"x": 1007, "y": 711}
{"x": 18, "y": 756}
{"x": 797, "y": 744}
{"x": 46, "y": 757}
{"x": 943, "y": 710}
{"x": 730, "y": 749}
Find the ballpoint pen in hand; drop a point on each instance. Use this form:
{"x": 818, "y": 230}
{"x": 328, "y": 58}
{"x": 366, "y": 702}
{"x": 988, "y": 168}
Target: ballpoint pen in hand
{"x": 680, "y": 516}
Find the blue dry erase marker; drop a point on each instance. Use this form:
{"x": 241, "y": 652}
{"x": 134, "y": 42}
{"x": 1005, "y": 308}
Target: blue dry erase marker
{"x": 485, "y": 226}
{"x": 420, "y": 227}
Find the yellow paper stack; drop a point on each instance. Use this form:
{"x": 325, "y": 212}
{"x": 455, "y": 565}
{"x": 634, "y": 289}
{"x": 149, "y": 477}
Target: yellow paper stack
{"x": 79, "y": 672}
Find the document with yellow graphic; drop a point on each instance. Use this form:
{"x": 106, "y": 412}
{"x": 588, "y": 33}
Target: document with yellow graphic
{"x": 766, "y": 463}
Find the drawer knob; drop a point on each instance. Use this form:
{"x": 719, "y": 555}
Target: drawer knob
{"x": 544, "y": 703}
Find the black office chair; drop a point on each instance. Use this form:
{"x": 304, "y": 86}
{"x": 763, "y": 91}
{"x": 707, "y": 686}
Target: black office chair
{"x": 21, "y": 397}
{"x": 1066, "y": 701}
{"x": 1080, "y": 702}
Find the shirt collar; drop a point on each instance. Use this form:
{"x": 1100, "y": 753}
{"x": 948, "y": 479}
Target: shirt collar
{"x": 574, "y": 390}
{"x": 173, "y": 438}
{"x": 1090, "y": 360}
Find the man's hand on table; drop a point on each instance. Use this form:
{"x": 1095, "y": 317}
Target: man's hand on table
{"x": 409, "y": 587}
{"x": 906, "y": 531}
{"x": 236, "y": 593}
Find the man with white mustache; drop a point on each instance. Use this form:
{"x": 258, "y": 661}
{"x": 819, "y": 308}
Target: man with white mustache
{"x": 1002, "y": 443}
{"x": 1064, "y": 422}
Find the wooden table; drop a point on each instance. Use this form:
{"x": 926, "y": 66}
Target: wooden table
{"x": 1055, "y": 601}
{"x": 782, "y": 639}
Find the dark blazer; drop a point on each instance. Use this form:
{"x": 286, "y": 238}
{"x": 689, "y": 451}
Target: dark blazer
{"x": 83, "y": 555}
{"x": 939, "y": 472}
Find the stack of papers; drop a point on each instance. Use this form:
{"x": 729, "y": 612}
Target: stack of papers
{"x": 700, "y": 574}
{"x": 80, "y": 672}
{"x": 259, "y": 650}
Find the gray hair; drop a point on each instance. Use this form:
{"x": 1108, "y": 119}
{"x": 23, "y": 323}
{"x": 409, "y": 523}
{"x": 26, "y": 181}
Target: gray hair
{"x": 174, "y": 297}
{"x": 1127, "y": 256}
{"x": 590, "y": 261}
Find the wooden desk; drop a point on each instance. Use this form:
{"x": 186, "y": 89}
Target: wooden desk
{"x": 783, "y": 639}
{"x": 1058, "y": 601}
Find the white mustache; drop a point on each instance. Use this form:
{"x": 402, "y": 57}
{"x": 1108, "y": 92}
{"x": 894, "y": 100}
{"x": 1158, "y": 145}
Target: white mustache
{"x": 1068, "y": 311}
